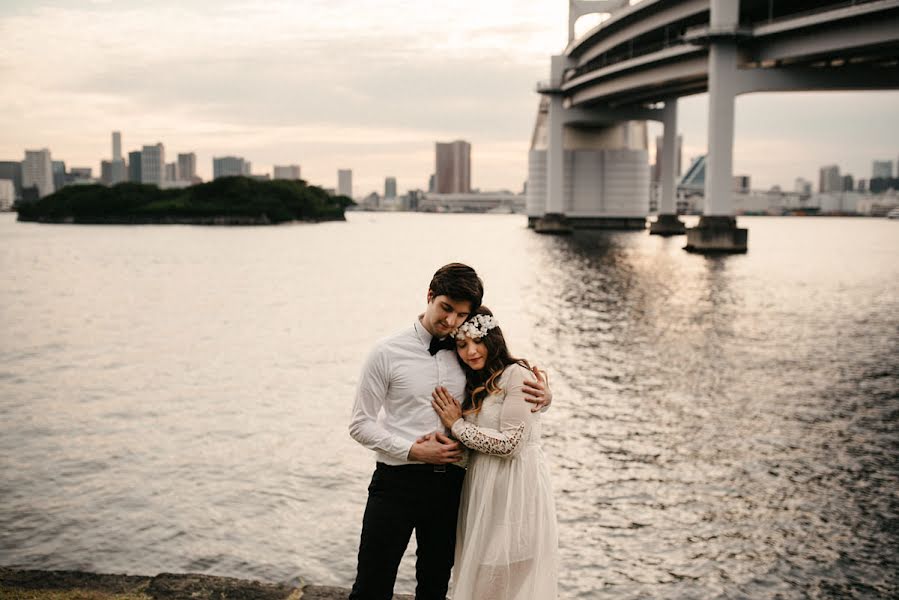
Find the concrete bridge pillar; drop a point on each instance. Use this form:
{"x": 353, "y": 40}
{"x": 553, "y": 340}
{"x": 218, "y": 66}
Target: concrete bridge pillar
{"x": 553, "y": 220}
{"x": 667, "y": 222}
{"x": 717, "y": 230}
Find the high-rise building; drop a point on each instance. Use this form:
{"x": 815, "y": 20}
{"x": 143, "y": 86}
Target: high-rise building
{"x": 862, "y": 186}
{"x": 431, "y": 183}
{"x": 7, "y": 194}
{"x": 741, "y": 183}
{"x": 12, "y": 171}
{"x": 59, "y": 174}
{"x": 390, "y": 187}
{"x": 345, "y": 182}
{"x": 882, "y": 169}
{"x": 291, "y": 172}
{"x": 187, "y": 167}
{"x": 829, "y": 179}
{"x": 37, "y": 171}
{"x": 113, "y": 172}
{"x": 134, "y": 163}
{"x": 229, "y": 166}
{"x": 657, "y": 167}
{"x": 116, "y": 145}
{"x": 453, "y": 167}
{"x": 152, "y": 164}
{"x": 171, "y": 171}
{"x": 848, "y": 183}
{"x": 802, "y": 186}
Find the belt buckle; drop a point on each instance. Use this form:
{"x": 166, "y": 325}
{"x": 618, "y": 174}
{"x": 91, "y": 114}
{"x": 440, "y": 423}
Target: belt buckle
{"x": 440, "y": 468}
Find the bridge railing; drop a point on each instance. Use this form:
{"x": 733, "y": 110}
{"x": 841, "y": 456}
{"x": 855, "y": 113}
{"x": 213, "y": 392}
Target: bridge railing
{"x": 775, "y": 11}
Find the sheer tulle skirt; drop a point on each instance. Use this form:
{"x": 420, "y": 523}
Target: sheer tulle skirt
{"x": 507, "y": 541}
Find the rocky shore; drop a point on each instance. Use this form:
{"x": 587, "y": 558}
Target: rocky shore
{"x": 18, "y": 584}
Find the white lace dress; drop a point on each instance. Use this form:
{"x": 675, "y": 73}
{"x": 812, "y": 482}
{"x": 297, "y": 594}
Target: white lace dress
{"x": 506, "y": 538}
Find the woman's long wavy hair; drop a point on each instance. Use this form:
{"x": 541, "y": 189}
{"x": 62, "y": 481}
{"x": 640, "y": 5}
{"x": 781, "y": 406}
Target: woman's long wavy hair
{"x": 483, "y": 383}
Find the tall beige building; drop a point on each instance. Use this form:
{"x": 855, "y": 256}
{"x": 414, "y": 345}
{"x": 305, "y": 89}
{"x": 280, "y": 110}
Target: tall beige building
{"x": 187, "y": 166}
{"x": 37, "y": 171}
{"x": 453, "y": 168}
{"x": 345, "y": 182}
{"x": 291, "y": 172}
{"x": 152, "y": 164}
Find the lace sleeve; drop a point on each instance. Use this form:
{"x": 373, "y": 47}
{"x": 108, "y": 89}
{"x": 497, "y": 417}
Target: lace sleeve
{"x": 488, "y": 441}
{"x": 516, "y": 417}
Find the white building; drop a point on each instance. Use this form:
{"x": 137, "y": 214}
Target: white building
{"x": 37, "y": 171}
{"x": 830, "y": 180}
{"x": 345, "y": 182}
{"x": 291, "y": 172}
{"x": 882, "y": 168}
{"x": 152, "y": 164}
{"x": 7, "y": 194}
{"x": 802, "y": 186}
{"x": 187, "y": 166}
{"x": 116, "y": 145}
{"x": 230, "y": 166}
{"x": 498, "y": 202}
{"x": 390, "y": 187}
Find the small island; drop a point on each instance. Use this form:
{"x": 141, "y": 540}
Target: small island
{"x": 224, "y": 201}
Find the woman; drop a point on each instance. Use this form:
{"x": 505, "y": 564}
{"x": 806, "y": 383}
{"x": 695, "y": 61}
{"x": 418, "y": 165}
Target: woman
{"x": 506, "y": 540}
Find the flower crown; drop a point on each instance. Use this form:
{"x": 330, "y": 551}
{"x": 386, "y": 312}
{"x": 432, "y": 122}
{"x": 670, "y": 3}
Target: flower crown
{"x": 476, "y": 327}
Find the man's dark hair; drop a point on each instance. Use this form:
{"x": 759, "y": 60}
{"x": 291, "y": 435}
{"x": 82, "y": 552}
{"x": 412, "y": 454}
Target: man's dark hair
{"x": 460, "y": 283}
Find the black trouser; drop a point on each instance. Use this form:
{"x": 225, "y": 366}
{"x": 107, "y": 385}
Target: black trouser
{"x": 401, "y": 499}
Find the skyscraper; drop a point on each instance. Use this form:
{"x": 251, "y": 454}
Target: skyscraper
{"x": 345, "y": 182}
{"x": 390, "y": 187}
{"x": 291, "y": 172}
{"x": 37, "y": 171}
{"x": 453, "y": 167}
{"x": 12, "y": 170}
{"x": 229, "y": 166}
{"x": 116, "y": 145}
{"x": 882, "y": 168}
{"x": 152, "y": 164}
{"x": 134, "y": 161}
{"x": 829, "y": 179}
{"x": 848, "y": 183}
{"x": 187, "y": 166}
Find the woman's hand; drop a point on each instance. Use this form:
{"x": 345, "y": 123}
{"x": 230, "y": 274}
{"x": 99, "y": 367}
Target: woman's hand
{"x": 447, "y": 407}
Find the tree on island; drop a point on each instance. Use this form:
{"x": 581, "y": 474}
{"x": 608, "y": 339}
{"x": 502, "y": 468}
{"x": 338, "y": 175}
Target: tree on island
{"x": 225, "y": 200}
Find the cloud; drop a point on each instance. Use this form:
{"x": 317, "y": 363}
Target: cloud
{"x": 331, "y": 83}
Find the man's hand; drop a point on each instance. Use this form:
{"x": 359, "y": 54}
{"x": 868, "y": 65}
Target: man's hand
{"x": 435, "y": 449}
{"x": 538, "y": 392}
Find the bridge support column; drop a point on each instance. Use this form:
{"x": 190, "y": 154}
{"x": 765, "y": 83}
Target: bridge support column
{"x": 553, "y": 219}
{"x": 717, "y": 230}
{"x": 667, "y": 222}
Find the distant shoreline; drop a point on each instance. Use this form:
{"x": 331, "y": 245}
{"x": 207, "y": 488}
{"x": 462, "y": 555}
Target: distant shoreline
{"x": 224, "y": 201}
{"x": 212, "y": 220}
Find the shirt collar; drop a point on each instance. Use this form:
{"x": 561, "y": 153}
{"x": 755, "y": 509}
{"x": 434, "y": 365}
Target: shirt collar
{"x": 423, "y": 334}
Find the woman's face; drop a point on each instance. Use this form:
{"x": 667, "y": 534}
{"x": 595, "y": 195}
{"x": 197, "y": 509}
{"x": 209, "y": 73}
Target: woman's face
{"x": 472, "y": 352}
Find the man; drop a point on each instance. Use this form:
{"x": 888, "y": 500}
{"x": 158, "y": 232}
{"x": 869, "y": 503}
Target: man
{"x": 416, "y": 483}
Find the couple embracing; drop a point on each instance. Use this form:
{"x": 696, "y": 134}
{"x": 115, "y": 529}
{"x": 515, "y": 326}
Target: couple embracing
{"x": 432, "y": 397}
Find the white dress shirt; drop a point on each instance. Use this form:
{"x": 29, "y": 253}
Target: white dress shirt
{"x": 393, "y": 400}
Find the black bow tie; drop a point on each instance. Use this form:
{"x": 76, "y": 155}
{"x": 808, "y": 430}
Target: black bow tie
{"x": 438, "y": 344}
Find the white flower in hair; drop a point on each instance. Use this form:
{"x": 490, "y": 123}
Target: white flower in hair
{"x": 476, "y": 327}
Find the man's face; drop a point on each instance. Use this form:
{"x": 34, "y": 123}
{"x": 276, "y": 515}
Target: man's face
{"x": 444, "y": 314}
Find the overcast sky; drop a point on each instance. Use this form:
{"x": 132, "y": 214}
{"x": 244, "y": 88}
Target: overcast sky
{"x": 370, "y": 86}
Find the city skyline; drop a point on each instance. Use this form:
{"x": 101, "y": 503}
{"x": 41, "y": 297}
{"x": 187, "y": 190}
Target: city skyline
{"x": 370, "y": 89}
